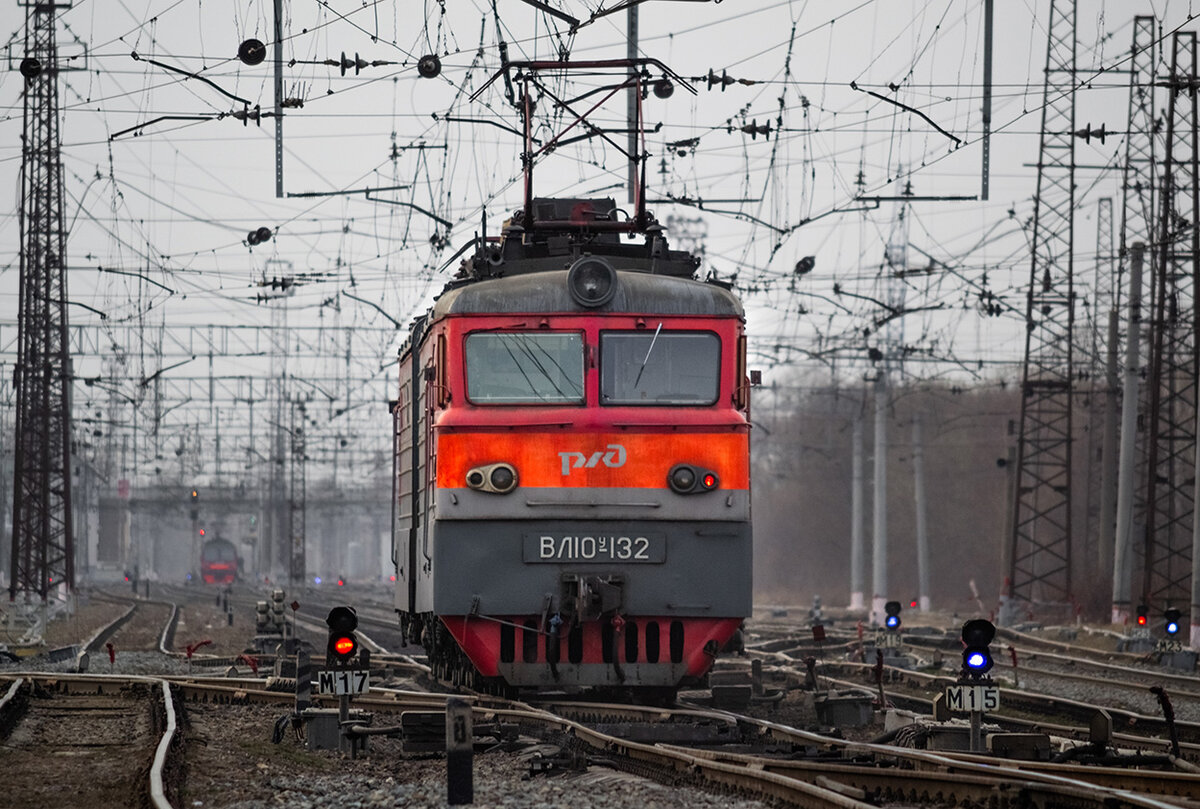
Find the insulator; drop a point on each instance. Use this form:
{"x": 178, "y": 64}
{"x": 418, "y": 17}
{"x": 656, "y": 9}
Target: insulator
{"x": 356, "y": 63}
{"x": 724, "y": 79}
{"x": 252, "y": 52}
{"x": 664, "y": 88}
{"x": 753, "y": 129}
{"x": 263, "y": 234}
{"x": 31, "y": 67}
{"x": 429, "y": 66}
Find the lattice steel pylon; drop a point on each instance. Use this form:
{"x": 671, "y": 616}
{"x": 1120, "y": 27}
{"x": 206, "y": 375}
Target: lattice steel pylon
{"x": 1137, "y": 202}
{"x": 1039, "y": 558}
{"x": 1166, "y": 561}
{"x": 43, "y": 550}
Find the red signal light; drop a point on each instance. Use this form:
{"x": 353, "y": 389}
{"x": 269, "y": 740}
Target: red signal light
{"x": 913, "y": 603}
{"x": 201, "y": 532}
{"x": 1141, "y": 620}
{"x": 341, "y": 582}
{"x": 344, "y": 646}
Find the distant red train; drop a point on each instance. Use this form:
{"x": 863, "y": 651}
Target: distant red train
{"x": 572, "y": 461}
{"x": 219, "y": 563}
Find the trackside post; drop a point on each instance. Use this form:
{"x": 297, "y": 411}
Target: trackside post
{"x": 460, "y": 750}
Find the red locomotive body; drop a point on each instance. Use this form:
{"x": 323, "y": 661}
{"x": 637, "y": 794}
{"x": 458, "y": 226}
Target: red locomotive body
{"x": 572, "y": 462}
{"x": 218, "y": 562}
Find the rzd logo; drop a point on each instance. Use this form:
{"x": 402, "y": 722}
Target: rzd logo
{"x": 613, "y": 457}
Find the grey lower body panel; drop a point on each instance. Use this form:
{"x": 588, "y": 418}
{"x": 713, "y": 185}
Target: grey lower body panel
{"x": 632, "y": 675}
{"x": 500, "y": 567}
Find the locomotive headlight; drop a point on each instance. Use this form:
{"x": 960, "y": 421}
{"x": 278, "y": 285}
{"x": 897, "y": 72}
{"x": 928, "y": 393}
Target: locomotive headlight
{"x": 497, "y": 478}
{"x": 683, "y": 478}
{"x": 592, "y": 282}
{"x": 687, "y": 479}
{"x": 503, "y": 478}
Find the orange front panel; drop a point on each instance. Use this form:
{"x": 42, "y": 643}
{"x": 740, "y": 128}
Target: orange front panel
{"x": 598, "y": 460}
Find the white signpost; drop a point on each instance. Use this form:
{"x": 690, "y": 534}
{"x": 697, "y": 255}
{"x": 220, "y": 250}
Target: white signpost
{"x": 343, "y": 682}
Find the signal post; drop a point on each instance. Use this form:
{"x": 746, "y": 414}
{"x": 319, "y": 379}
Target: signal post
{"x": 346, "y": 673}
{"x": 975, "y": 692}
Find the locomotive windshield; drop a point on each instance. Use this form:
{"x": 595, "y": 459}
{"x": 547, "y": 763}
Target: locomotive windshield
{"x": 219, "y": 552}
{"x": 524, "y": 368}
{"x": 659, "y": 368}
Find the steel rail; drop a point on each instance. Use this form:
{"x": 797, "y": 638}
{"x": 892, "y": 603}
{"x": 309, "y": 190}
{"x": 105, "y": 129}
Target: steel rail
{"x": 809, "y": 784}
{"x": 157, "y": 792}
{"x": 1061, "y": 786}
{"x": 925, "y": 706}
{"x": 1016, "y": 698}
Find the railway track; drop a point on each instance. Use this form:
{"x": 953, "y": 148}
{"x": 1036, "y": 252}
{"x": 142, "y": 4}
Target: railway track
{"x": 815, "y": 771}
{"x": 682, "y": 746}
{"x": 79, "y": 748}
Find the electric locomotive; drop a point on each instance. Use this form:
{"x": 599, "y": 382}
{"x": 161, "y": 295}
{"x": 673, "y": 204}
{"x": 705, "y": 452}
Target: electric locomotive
{"x": 219, "y": 562}
{"x": 572, "y": 470}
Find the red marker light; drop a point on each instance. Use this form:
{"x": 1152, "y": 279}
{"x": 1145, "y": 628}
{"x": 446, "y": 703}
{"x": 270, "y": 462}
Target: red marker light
{"x": 344, "y": 646}
{"x": 393, "y": 577}
{"x": 710, "y": 480}
{"x": 913, "y": 603}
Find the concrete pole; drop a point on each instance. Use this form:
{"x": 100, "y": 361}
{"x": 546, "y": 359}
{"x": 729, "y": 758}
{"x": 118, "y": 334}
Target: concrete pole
{"x": 1108, "y": 474}
{"x": 856, "y": 515}
{"x": 1123, "y": 550}
{"x": 278, "y": 98}
{"x": 631, "y": 112}
{"x": 879, "y": 550}
{"x": 922, "y": 533}
{"x": 1194, "y": 637}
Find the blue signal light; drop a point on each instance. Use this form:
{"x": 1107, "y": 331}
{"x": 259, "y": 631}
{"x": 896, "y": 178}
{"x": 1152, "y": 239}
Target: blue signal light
{"x": 976, "y": 660}
{"x": 892, "y": 621}
{"x": 316, "y": 579}
{"x": 1171, "y": 621}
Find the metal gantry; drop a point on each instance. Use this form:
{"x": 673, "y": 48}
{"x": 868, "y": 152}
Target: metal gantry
{"x": 1167, "y": 547}
{"x": 1039, "y": 568}
{"x": 43, "y": 550}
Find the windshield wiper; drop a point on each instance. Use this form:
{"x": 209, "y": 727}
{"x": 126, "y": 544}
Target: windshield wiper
{"x": 647, "y": 359}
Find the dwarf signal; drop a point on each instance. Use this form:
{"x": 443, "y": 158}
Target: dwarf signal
{"x": 1171, "y": 622}
{"x": 343, "y": 643}
{"x": 977, "y": 657}
{"x": 892, "y": 619}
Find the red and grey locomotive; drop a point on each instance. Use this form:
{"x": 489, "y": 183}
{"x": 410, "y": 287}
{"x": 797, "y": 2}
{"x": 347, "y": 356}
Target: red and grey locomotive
{"x": 572, "y": 487}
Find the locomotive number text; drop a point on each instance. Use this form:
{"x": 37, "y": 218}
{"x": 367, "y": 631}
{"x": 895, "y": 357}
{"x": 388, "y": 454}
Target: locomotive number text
{"x": 594, "y": 548}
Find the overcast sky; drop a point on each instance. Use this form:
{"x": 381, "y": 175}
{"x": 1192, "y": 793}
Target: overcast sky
{"x": 169, "y": 205}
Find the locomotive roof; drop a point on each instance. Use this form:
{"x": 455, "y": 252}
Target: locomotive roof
{"x": 546, "y": 292}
